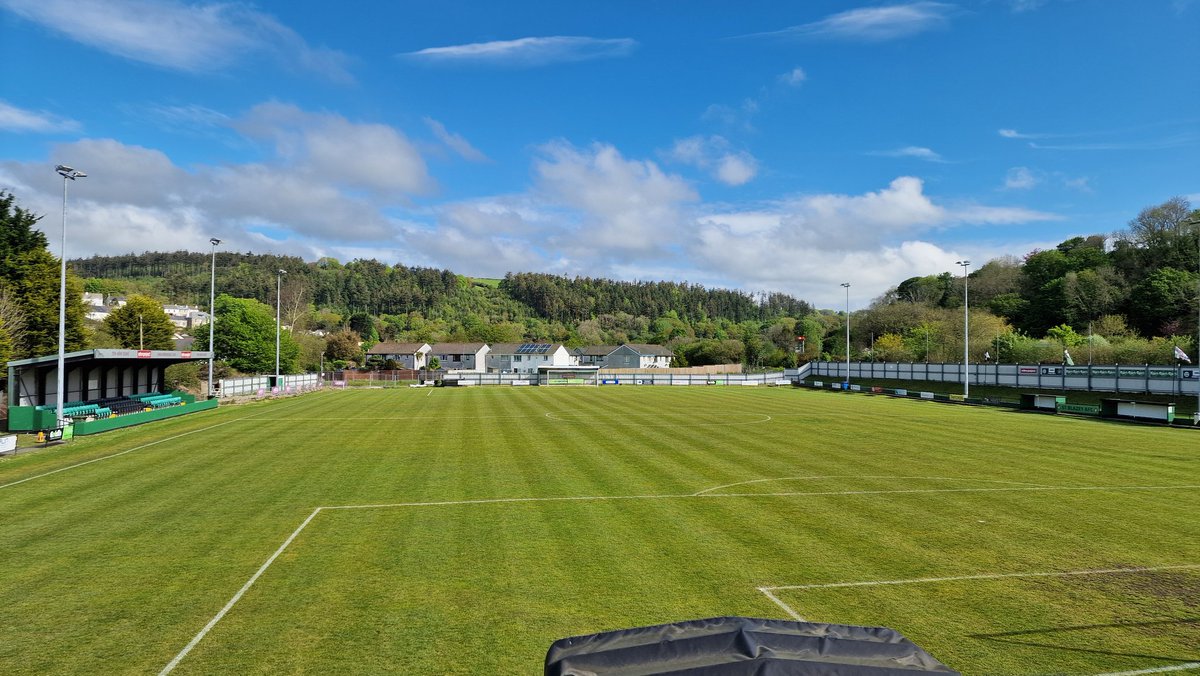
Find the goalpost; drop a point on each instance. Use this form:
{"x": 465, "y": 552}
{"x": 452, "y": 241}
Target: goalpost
{"x": 569, "y": 375}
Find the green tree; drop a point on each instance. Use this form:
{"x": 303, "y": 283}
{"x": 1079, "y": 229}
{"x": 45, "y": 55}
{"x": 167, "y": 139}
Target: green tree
{"x": 141, "y": 324}
{"x": 1165, "y": 295}
{"x": 343, "y": 346}
{"x": 30, "y": 275}
{"x": 245, "y": 337}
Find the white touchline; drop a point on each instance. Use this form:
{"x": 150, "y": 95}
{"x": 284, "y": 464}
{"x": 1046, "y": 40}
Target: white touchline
{"x": 117, "y": 455}
{"x": 984, "y": 576}
{"x": 1156, "y": 670}
{"x": 850, "y": 476}
{"x": 236, "y": 597}
{"x": 130, "y": 450}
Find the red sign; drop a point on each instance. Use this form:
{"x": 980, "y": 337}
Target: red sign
{"x": 143, "y": 354}
{"x": 1028, "y": 369}
{"x": 186, "y": 354}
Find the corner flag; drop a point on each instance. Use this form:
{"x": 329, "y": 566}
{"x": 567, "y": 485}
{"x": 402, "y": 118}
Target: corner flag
{"x": 1067, "y": 358}
{"x": 1181, "y": 355}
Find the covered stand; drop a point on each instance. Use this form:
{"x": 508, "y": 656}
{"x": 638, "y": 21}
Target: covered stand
{"x": 740, "y": 645}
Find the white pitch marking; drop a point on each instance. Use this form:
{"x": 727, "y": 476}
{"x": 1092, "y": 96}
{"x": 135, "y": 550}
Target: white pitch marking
{"x": 984, "y": 576}
{"x": 1156, "y": 670}
{"x": 236, "y": 597}
{"x": 131, "y": 450}
{"x": 599, "y": 498}
{"x": 850, "y": 476}
{"x": 712, "y": 496}
{"x": 786, "y": 608}
{"x": 116, "y": 455}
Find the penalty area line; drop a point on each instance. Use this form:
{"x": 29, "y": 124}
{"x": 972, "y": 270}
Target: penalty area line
{"x": 236, "y": 597}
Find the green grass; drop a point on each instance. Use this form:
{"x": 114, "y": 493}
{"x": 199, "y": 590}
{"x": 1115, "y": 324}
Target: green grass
{"x": 115, "y": 566}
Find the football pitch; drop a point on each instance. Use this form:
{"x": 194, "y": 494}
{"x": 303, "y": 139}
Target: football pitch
{"x": 463, "y": 530}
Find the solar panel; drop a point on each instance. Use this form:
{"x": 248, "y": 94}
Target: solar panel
{"x": 533, "y": 348}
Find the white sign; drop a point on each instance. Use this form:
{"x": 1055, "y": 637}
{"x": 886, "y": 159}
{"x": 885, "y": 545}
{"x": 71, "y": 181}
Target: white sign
{"x": 8, "y": 444}
{"x": 520, "y": 382}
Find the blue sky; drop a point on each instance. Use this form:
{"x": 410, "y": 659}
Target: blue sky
{"x": 755, "y": 145}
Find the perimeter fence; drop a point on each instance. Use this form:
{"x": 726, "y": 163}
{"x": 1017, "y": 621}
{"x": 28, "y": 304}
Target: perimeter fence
{"x": 1118, "y": 378}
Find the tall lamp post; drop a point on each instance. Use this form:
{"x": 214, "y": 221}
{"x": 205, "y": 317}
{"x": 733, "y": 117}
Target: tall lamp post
{"x": 68, "y": 174}
{"x": 846, "y": 385}
{"x": 966, "y": 331}
{"x": 1196, "y": 224}
{"x": 212, "y": 314}
{"x": 278, "y": 327}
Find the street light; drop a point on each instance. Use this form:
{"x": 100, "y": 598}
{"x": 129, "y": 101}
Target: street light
{"x": 278, "y": 328}
{"x": 212, "y": 314}
{"x": 847, "y": 383}
{"x": 966, "y": 331}
{"x": 68, "y": 174}
{"x": 1196, "y": 224}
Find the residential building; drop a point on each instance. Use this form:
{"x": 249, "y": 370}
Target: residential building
{"x": 527, "y": 357}
{"x": 594, "y": 354}
{"x": 639, "y": 356}
{"x": 406, "y": 355}
{"x": 461, "y": 356}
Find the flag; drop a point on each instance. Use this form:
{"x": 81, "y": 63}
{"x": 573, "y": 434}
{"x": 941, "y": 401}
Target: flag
{"x": 1181, "y": 355}
{"x": 1067, "y": 358}
{"x": 987, "y": 356}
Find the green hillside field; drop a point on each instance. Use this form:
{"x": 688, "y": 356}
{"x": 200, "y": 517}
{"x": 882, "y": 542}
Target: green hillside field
{"x": 463, "y": 530}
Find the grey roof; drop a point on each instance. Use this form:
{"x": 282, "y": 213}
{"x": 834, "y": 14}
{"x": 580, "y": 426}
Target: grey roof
{"x": 395, "y": 348}
{"x": 457, "y": 348}
{"x": 595, "y": 350}
{"x": 655, "y": 350}
{"x": 513, "y": 348}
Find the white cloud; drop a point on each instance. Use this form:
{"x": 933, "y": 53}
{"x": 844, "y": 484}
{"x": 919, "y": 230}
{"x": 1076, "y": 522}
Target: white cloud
{"x": 795, "y": 77}
{"x": 918, "y": 152}
{"x": 810, "y": 244}
{"x": 326, "y": 183}
{"x": 736, "y": 169}
{"x": 533, "y": 51}
{"x": 325, "y": 147}
{"x": 455, "y": 142}
{"x": 629, "y": 207}
{"x": 1080, "y": 183}
{"x": 17, "y": 119}
{"x": 1025, "y": 5}
{"x": 715, "y": 155}
{"x": 875, "y": 24}
{"x": 186, "y": 37}
{"x": 1020, "y": 178}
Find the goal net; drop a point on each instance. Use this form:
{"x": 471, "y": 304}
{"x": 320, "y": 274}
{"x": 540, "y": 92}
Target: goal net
{"x": 570, "y": 376}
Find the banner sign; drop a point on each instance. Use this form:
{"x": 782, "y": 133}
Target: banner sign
{"x": 1088, "y": 409}
{"x": 1052, "y": 370}
{"x": 610, "y": 381}
{"x": 1082, "y": 371}
{"x": 1132, "y": 373}
{"x": 8, "y": 444}
{"x": 1029, "y": 370}
{"x": 1162, "y": 373}
{"x": 1189, "y": 374}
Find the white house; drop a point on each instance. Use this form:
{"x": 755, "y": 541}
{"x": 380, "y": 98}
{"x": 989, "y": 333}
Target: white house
{"x": 527, "y": 357}
{"x": 407, "y": 355}
{"x": 461, "y": 356}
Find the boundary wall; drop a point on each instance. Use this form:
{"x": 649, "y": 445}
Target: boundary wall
{"x": 260, "y": 386}
{"x": 1133, "y": 379}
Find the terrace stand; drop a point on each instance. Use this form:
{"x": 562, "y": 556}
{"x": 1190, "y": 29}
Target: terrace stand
{"x": 732, "y": 646}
